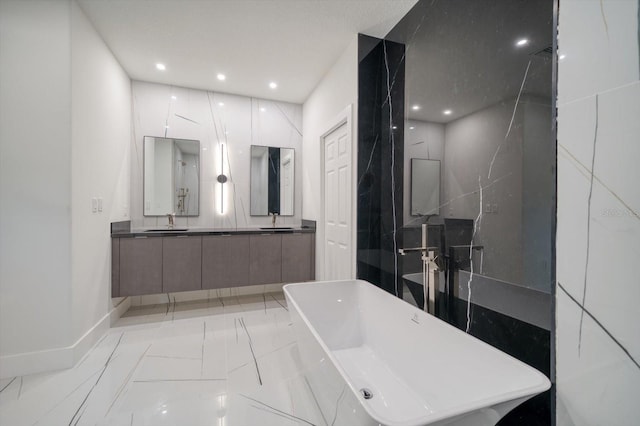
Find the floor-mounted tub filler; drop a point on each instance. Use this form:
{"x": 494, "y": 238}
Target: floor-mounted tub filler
{"x": 373, "y": 359}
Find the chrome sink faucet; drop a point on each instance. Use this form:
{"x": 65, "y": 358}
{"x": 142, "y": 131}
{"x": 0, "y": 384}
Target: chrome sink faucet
{"x": 172, "y": 220}
{"x": 273, "y": 219}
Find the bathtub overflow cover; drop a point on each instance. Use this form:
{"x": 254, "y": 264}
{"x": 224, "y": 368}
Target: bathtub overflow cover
{"x": 366, "y": 393}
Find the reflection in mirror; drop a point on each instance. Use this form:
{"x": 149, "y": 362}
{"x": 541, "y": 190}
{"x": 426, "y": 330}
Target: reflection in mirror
{"x": 480, "y": 100}
{"x": 425, "y": 187}
{"x": 171, "y": 176}
{"x": 272, "y": 180}
{"x": 478, "y": 96}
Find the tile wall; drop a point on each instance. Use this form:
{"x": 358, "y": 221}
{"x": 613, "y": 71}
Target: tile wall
{"x": 598, "y": 234}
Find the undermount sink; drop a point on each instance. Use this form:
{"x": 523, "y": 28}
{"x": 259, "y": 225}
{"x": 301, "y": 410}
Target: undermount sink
{"x": 277, "y": 228}
{"x": 167, "y": 230}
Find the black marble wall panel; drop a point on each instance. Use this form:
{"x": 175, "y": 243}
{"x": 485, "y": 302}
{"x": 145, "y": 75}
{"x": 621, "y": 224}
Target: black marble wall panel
{"x": 380, "y": 157}
{"x": 480, "y": 71}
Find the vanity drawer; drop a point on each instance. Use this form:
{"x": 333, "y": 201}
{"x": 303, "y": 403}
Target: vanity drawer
{"x": 265, "y": 256}
{"x": 140, "y": 266}
{"x": 181, "y": 263}
{"x": 225, "y": 261}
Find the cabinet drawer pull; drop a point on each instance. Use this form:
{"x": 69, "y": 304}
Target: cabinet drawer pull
{"x": 139, "y": 237}
{"x": 182, "y": 236}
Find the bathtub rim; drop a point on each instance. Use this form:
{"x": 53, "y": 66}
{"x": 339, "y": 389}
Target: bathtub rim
{"x": 543, "y": 385}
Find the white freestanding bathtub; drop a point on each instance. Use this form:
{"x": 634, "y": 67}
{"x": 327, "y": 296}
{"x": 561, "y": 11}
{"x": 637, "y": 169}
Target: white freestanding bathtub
{"x": 355, "y": 339}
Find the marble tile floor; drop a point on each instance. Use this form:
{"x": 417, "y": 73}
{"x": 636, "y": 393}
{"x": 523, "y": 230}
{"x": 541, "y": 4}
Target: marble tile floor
{"x": 231, "y": 362}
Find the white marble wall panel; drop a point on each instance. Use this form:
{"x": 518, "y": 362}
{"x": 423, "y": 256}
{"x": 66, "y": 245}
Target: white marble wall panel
{"x": 214, "y": 119}
{"x": 598, "y": 237}
{"x": 599, "y": 41}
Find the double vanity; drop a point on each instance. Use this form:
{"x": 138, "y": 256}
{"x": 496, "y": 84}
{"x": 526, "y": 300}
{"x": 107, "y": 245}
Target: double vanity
{"x": 167, "y": 261}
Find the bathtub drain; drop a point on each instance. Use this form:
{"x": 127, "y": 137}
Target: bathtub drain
{"x": 366, "y": 393}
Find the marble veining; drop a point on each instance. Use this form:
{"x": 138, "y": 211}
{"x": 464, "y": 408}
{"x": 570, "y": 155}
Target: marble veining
{"x": 589, "y": 197}
{"x": 583, "y": 311}
{"x": 392, "y": 170}
{"x": 216, "y": 120}
{"x": 230, "y": 361}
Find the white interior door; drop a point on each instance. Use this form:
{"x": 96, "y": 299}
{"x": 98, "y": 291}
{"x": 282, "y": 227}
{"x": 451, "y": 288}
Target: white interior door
{"x": 337, "y": 204}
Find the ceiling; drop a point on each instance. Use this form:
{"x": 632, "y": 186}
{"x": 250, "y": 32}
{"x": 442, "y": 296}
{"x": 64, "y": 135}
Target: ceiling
{"x": 462, "y": 55}
{"x": 253, "y": 42}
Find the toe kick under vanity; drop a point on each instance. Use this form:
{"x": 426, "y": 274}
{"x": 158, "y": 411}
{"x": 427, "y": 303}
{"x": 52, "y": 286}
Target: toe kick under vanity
{"x": 167, "y": 261}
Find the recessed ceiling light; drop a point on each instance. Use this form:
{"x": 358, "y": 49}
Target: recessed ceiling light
{"x": 160, "y": 66}
{"x": 166, "y": 127}
{"x": 447, "y": 112}
{"x": 221, "y": 77}
{"x": 220, "y": 103}
{"x": 262, "y": 109}
{"x": 562, "y": 57}
{"x": 394, "y": 127}
{"x": 522, "y": 42}
{"x": 273, "y": 85}
{"x": 204, "y": 149}
{"x": 174, "y": 97}
{"x": 415, "y": 107}
{"x": 411, "y": 128}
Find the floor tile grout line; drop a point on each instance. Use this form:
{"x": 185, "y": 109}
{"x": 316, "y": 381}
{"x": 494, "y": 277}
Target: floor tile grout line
{"x": 97, "y": 381}
{"x": 275, "y": 409}
{"x": 69, "y": 394}
{"x": 127, "y": 379}
{"x": 244, "y": 326}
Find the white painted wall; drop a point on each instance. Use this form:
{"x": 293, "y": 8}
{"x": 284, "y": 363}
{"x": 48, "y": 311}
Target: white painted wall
{"x": 35, "y": 182}
{"x": 238, "y": 123}
{"x": 337, "y": 91}
{"x": 100, "y": 140}
{"x": 65, "y": 108}
{"x": 598, "y": 218}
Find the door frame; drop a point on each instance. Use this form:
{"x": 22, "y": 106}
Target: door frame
{"x": 344, "y": 117}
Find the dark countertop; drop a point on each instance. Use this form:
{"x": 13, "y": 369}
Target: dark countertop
{"x": 209, "y": 231}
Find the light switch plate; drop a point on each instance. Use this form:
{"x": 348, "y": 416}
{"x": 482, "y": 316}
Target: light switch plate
{"x": 94, "y": 205}
{"x": 100, "y": 204}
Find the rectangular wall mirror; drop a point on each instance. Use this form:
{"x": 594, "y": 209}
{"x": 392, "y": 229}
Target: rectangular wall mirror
{"x": 171, "y": 176}
{"x": 425, "y": 187}
{"x": 272, "y": 180}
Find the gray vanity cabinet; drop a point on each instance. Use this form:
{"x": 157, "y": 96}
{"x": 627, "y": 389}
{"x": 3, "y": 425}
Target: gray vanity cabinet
{"x": 115, "y": 267}
{"x": 298, "y": 257}
{"x": 168, "y": 264}
{"x": 140, "y": 266}
{"x": 181, "y": 263}
{"x": 265, "y": 259}
{"x": 225, "y": 261}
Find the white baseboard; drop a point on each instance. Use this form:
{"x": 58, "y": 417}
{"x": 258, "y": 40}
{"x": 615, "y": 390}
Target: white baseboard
{"x": 60, "y": 358}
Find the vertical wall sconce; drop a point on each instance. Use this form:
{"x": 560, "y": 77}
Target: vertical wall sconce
{"x": 222, "y": 179}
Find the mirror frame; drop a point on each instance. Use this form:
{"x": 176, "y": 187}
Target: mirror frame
{"x": 144, "y": 177}
{"x": 436, "y": 211}
{"x": 293, "y": 207}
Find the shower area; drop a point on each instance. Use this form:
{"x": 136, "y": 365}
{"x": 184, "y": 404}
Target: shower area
{"x": 456, "y": 172}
